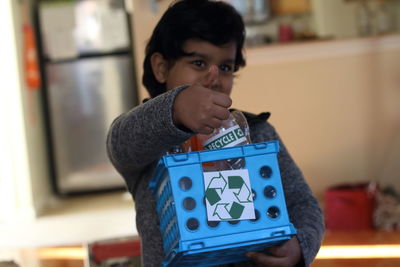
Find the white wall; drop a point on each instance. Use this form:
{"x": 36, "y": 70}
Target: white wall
{"x": 23, "y": 158}
{"x": 14, "y": 159}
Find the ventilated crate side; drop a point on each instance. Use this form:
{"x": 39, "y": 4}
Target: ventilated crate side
{"x": 203, "y": 245}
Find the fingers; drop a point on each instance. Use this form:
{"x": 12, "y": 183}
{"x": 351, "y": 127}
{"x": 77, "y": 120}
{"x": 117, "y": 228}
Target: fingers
{"x": 214, "y": 123}
{"x": 207, "y": 130}
{"x": 287, "y": 254}
{"x": 209, "y": 124}
{"x": 276, "y": 251}
{"x": 221, "y": 99}
{"x": 221, "y": 113}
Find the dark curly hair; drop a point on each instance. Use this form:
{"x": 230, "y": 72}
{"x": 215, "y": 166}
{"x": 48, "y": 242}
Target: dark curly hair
{"x": 212, "y": 21}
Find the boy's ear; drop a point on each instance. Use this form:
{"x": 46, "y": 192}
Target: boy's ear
{"x": 160, "y": 67}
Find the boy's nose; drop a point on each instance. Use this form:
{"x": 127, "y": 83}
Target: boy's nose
{"x": 215, "y": 83}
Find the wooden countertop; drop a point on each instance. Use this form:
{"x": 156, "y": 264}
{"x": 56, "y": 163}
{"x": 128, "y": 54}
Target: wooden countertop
{"x": 353, "y": 243}
{"x": 363, "y": 237}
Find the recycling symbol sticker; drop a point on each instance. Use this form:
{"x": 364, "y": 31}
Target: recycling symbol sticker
{"x": 228, "y": 195}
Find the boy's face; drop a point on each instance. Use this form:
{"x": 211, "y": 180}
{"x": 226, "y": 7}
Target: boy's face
{"x": 191, "y": 69}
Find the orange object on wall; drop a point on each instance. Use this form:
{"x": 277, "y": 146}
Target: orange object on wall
{"x": 290, "y": 7}
{"x": 32, "y": 72}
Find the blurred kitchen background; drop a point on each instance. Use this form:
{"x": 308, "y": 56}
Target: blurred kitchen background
{"x": 327, "y": 70}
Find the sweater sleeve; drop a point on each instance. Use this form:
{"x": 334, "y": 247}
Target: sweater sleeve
{"x": 137, "y": 138}
{"x": 303, "y": 208}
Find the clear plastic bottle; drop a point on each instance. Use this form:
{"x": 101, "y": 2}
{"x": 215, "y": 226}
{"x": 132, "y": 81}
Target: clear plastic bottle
{"x": 228, "y": 135}
{"x": 233, "y": 132}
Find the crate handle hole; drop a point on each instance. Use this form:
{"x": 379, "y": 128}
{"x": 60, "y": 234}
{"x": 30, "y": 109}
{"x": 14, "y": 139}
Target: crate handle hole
{"x": 180, "y": 157}
{"x": 196, "y": 245}
{"x": 278, "y": 233}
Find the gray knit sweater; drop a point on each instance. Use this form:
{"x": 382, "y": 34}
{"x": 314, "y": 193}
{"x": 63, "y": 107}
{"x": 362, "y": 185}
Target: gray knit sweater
{"x": 136, "y": 141}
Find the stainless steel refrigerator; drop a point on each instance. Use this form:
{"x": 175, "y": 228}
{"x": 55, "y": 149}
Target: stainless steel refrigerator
{"x": 89, "y": 78}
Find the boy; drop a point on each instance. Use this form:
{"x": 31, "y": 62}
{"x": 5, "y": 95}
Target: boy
{"x": 189, "y": 68}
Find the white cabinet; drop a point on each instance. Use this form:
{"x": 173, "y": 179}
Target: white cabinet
{"x": 334, "y": 18}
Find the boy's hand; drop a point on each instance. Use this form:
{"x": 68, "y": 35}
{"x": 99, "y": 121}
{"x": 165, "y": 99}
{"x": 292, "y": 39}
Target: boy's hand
{"x": 199, "y": 107}
{"x": 288, "y": 254}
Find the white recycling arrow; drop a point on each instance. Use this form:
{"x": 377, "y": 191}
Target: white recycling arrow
{"x": 222, "y": 212}
{"x": 218, "y": 183}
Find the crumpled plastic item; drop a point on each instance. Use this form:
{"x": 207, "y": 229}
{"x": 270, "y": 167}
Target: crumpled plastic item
{"x": 387, "y": 212}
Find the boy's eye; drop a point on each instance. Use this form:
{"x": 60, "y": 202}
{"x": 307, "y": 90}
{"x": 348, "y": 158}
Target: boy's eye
{"x": 199, "y": 63}
{"x": 226, "y": 68}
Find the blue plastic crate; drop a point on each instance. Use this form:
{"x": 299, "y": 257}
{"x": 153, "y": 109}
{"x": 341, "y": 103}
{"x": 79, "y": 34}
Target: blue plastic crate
{"x": 189, "y": 238}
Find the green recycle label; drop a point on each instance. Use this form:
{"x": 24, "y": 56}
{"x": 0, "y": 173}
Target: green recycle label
{"x": 231, "y": 137}
{"x": 228, "y": 195}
